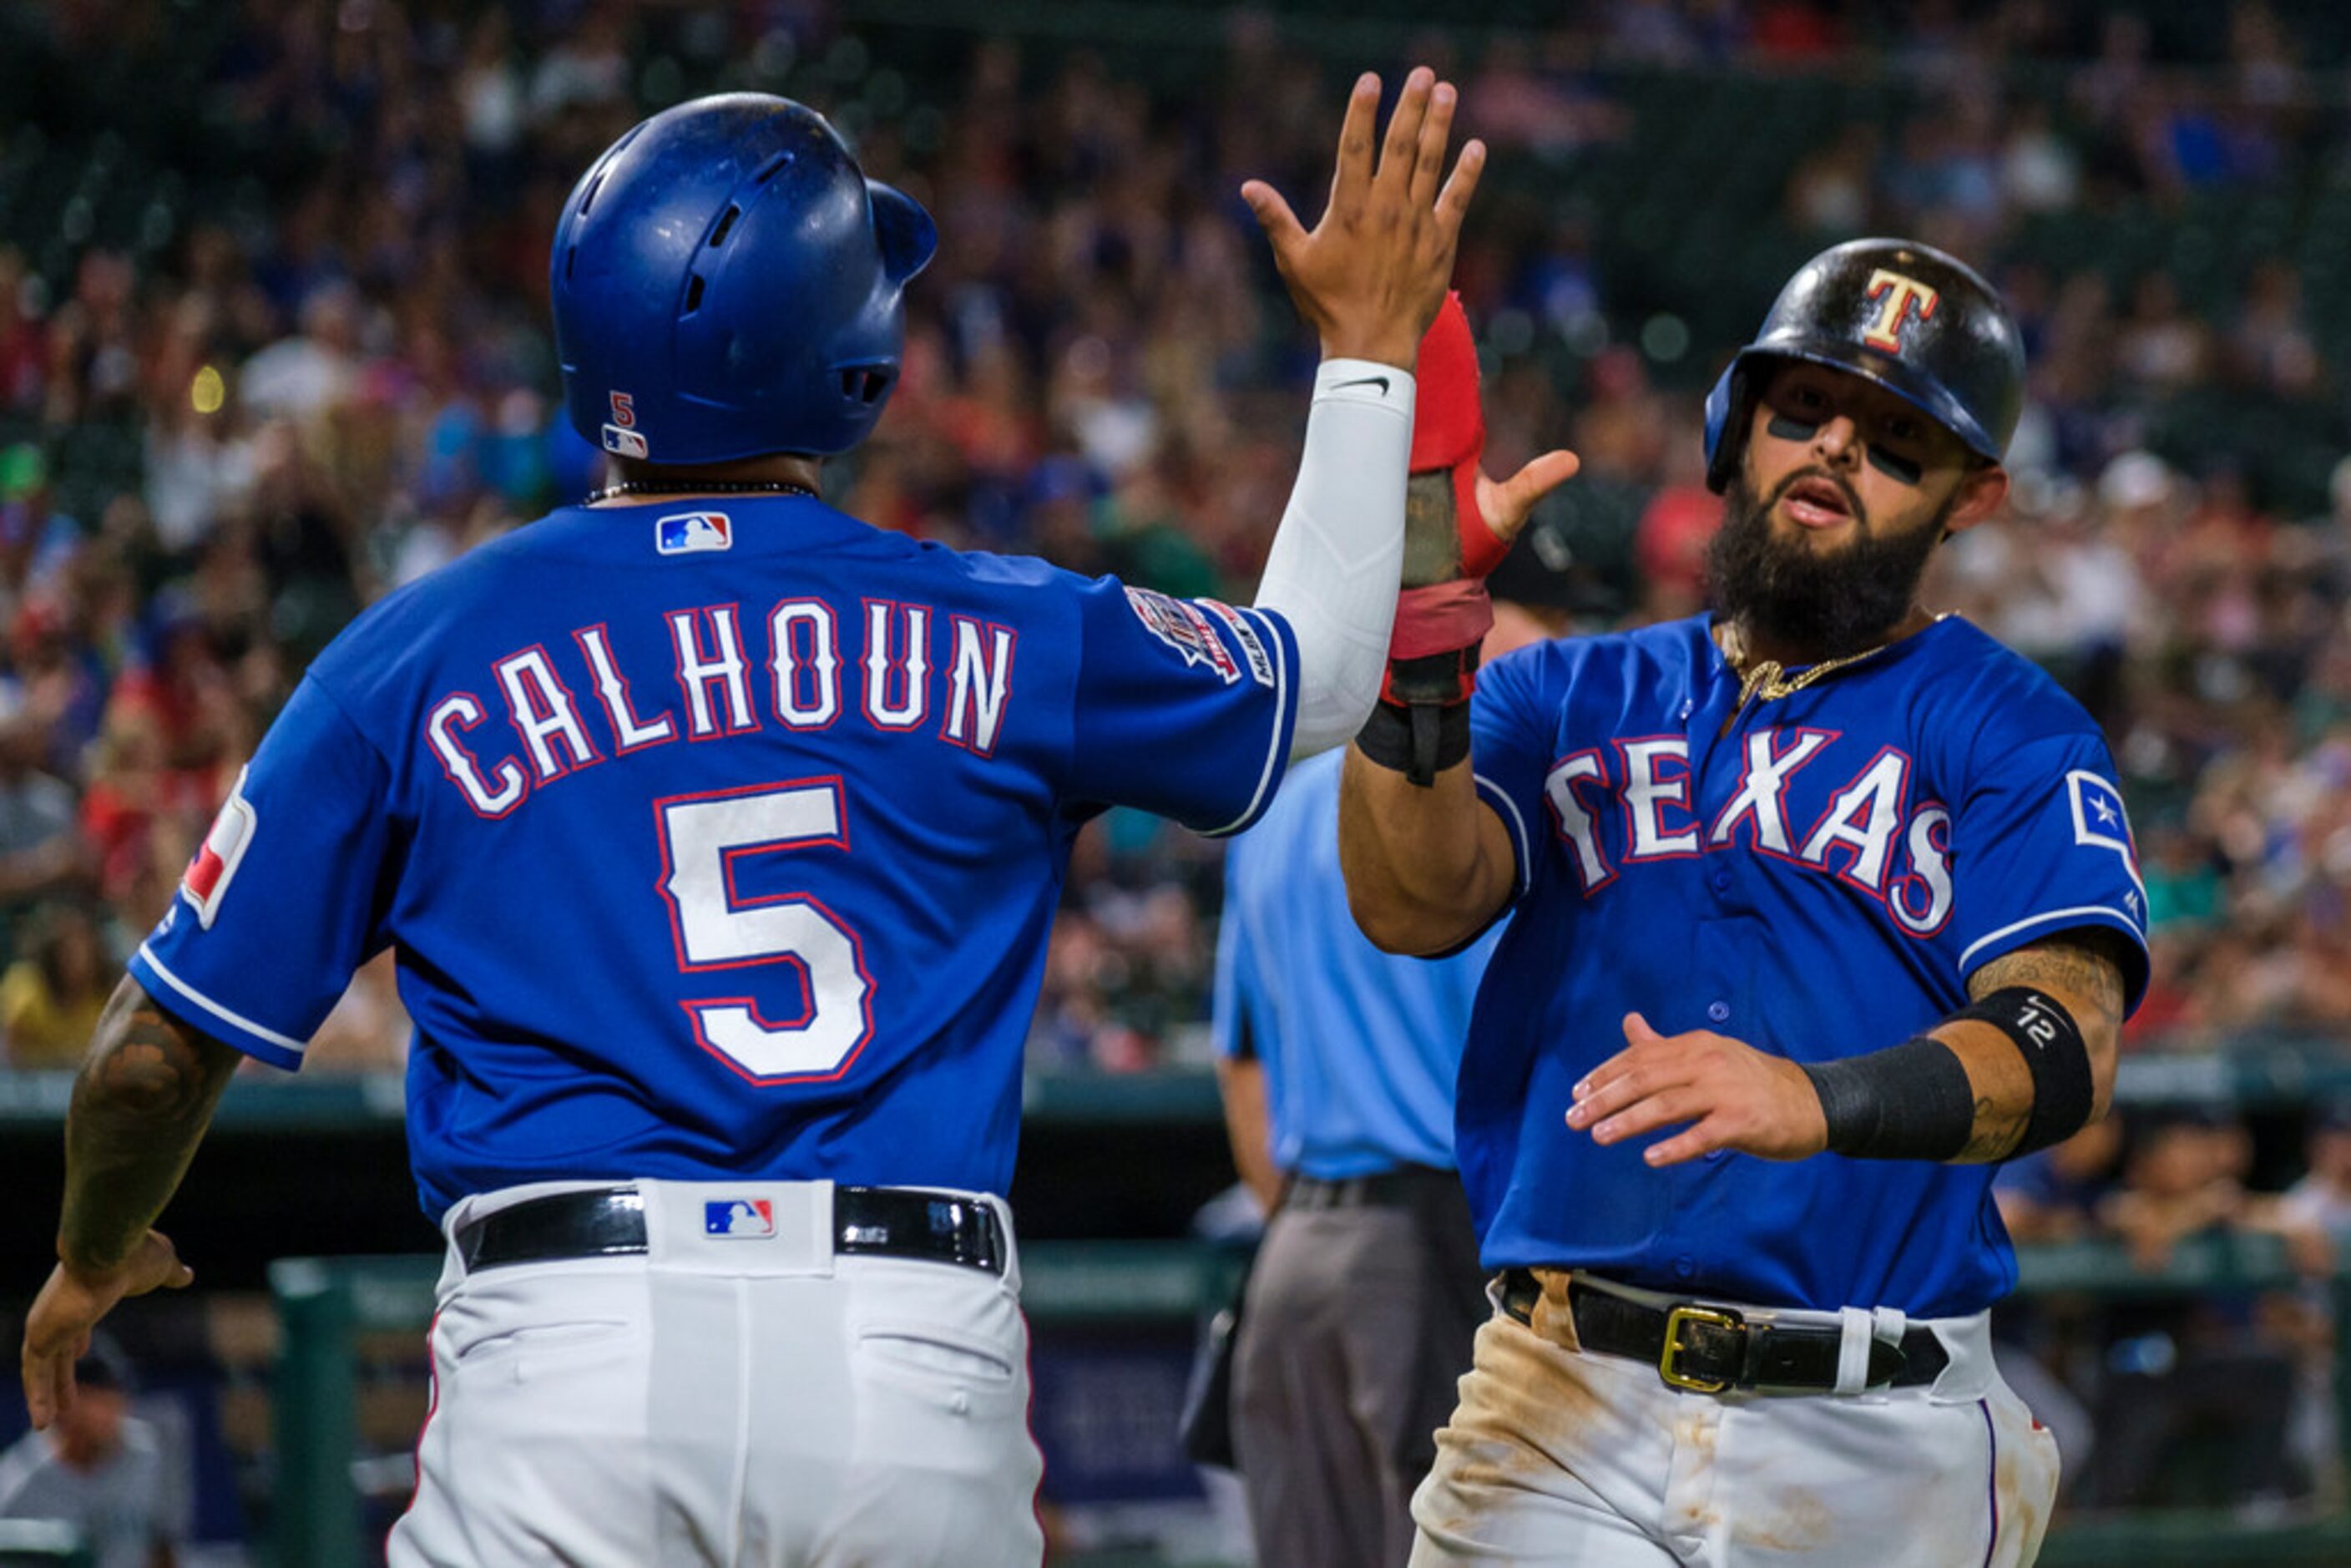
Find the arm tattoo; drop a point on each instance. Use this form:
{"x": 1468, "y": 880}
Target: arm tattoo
{"x": 140, "y": 1104}
{"x": 2083, "y": 968}
{"x": 1998, "y": 1130}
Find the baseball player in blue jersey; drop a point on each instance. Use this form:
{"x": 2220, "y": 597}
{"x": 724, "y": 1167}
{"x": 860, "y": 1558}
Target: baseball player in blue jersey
{"x": 718, "y": 834}
{"x": 1824, "y": 905}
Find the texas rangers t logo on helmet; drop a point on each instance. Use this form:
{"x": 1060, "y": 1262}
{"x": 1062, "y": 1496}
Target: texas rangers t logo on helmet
{"x": 1900, "y": 293}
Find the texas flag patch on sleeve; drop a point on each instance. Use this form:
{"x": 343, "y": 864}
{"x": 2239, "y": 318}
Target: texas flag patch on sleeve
{"x": 214, "y": 867}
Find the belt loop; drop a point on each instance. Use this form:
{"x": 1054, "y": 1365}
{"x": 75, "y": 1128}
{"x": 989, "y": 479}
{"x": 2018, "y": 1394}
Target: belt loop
{"x": 1859, "y": 1327}
{"x": 648, "y": 1197}
{"x": 1003, "y": 1212}
{"x": 819, "y": 1228}
{"x": 1889, "y": 1323}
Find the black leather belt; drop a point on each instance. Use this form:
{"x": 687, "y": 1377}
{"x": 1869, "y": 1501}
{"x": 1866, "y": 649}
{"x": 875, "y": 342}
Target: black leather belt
{"x": 1708, "y": 1349}
{"x": 884, "y": 1221}
{"x": 1398, "y": 1189}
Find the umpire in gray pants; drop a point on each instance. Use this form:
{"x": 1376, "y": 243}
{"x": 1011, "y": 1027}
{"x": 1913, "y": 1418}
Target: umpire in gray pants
{"x": 1337, "y": 1064}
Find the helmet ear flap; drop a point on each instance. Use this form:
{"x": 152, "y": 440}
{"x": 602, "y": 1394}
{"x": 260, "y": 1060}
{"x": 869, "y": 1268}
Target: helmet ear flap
{"x": 1726, "y": 407}
{"x": 907, "y": 235}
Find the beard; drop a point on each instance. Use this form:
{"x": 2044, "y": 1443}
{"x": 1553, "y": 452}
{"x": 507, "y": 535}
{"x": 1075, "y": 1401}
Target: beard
{"x": 1829, "y": 603}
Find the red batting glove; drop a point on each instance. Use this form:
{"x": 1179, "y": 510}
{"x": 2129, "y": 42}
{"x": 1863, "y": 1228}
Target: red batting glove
{"x": 1443, "y": 612}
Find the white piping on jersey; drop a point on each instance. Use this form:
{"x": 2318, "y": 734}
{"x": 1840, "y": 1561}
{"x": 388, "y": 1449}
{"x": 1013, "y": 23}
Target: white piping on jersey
{"x": 1524, "y": 872}
{"x": 2050, "y": 918}
{"x": 1280, "y": 701}
{"x": 258, "y": 1031}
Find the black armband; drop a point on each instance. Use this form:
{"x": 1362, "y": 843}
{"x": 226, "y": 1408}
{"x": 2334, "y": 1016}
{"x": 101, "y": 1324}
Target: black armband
{"x": 1420, "y": 741}
{"x": 1908, "y": 1102}
{"x": 2063, "y": 1090}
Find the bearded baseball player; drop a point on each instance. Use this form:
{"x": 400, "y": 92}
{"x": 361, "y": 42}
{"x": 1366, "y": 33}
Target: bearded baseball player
{"x": 718, "y": 834}
{"x": 1824, "y": 906}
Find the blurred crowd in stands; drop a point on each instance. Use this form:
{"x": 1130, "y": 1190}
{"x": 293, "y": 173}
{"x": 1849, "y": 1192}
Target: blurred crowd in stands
{"x": 316, "y": 364}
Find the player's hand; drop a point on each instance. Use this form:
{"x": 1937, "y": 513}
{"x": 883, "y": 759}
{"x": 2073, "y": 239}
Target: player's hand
{"x": 1507, "y": 504}
{"x": 57, "y": 1330}
{"x": 1734, "y": 1096}
{"x": 1368, "y": 277}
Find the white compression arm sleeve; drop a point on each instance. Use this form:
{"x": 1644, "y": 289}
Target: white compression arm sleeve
{"x": 1338, "y": 556}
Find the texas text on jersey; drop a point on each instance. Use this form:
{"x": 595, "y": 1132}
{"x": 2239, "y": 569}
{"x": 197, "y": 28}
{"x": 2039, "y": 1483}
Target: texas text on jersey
{"x": 1823, "y": 868}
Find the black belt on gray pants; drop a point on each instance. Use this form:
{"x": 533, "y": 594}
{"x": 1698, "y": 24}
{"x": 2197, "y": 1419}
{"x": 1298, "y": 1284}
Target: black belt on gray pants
{"x": 1402, "y": 1187}
{"x": 1707, "y": 1348}
{"x": 609, "y": 1222}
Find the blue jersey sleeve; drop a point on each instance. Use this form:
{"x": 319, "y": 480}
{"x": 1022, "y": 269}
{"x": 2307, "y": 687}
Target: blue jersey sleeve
{"x": 1184, "y": 706}
{"x": 281, "y": 905}
{"x": 1512, "y": 721}
{"x": 2041, "y": 844}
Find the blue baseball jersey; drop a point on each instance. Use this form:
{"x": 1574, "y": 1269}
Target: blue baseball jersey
{"x": 1817, "y": 875}
{"x": 715, "y": 842}
{"x": 1360, "y": 1047}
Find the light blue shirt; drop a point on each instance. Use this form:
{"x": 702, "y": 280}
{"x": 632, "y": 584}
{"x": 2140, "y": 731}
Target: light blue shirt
{"x": 1360, "y": 1047}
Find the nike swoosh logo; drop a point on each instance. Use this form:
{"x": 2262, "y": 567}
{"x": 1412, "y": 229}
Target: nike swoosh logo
{"x": 1379, "y": 381}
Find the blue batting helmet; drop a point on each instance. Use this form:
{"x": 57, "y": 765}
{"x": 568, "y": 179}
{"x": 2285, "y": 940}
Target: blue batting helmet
{"x": 726, "y": 285}
{"x": 1921, "y": 324}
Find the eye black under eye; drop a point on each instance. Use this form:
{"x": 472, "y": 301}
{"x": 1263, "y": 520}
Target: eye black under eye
{"x": 1893, "y": 465}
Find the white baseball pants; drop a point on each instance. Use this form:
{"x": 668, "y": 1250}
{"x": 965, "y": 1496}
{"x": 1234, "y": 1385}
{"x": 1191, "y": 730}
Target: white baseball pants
{"x": 724, "y": 1401}
{"x": 1562, "y": 1457}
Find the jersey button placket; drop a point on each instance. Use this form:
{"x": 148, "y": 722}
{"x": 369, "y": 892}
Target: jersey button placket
{"x": 1717, "y": 1012}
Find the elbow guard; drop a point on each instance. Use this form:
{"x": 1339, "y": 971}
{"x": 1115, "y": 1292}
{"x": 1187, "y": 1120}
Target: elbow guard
{"x": 2065, "y": 1092}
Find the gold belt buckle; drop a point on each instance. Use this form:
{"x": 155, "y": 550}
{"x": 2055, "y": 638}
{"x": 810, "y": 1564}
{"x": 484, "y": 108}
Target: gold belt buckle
{"x": 1687, "y": 1313}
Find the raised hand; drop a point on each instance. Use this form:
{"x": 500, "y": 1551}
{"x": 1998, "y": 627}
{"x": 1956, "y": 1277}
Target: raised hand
{"x": 1370, "y": 276}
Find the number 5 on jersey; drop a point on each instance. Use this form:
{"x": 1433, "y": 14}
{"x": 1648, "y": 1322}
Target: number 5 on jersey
{"x": 702, "y": 839}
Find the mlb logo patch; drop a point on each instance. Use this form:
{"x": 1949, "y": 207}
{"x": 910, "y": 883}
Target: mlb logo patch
{"x": 688, "y": 532}
{"x": 739, "y": 1218}
{"x": 624, "y": 442}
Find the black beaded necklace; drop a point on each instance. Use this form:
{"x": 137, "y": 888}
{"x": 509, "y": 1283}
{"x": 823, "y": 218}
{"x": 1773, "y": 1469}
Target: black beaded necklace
{"x": 701, "y": 487}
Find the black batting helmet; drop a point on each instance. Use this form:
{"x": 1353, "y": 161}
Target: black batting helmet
{"x": 1921, "y": 324}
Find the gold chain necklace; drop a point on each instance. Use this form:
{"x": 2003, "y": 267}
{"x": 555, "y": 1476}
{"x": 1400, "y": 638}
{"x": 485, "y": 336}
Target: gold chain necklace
{"x": 1767, "y": 680}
